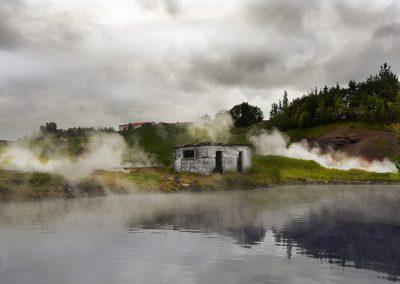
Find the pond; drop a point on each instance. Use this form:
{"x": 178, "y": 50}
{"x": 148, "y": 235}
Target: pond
{"x": 292, "y": 234}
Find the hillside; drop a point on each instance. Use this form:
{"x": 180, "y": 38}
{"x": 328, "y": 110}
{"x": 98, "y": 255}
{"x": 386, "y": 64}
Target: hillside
{"x": 370, "y": 141}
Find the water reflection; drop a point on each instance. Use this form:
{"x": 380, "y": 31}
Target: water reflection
{"x": 206, "y": 219}
{"x": 355, "y": 227}
{"x": 349, "y": 228}
{"x": 346, "y": 238}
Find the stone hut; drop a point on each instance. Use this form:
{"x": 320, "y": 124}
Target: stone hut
{"x": 205, "y": 158}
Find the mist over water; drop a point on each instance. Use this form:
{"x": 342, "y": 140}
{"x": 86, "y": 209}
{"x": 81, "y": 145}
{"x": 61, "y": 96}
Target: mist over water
{"x": 277, "y": 143}
{"x": 306, "y": 234}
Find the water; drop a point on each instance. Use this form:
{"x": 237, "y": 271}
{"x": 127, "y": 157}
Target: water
{"x": 299, "y": 234}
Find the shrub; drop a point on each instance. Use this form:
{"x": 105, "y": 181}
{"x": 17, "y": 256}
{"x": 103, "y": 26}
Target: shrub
{"x": 38, "y": 179}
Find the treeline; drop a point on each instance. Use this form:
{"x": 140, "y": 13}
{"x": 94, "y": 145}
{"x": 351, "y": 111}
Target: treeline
{"x": 52, "y": 128}
{"x": 377, "y": 99}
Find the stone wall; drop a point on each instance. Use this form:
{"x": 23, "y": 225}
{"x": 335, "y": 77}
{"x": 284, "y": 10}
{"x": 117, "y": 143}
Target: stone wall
{"x": 204, "y": 161}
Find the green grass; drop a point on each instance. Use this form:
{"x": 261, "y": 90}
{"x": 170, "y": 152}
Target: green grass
{"x": 276, "y": 169}
{"x": 145, "y": 179}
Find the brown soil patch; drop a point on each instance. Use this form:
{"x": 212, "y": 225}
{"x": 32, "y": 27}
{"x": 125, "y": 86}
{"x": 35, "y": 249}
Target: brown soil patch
{"x": 366, "y": 143}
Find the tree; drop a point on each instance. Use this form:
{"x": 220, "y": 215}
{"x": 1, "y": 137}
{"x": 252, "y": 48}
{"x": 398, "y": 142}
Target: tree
{"x": 285, "y": 101}
{"x": 274, "y": 110}
{"x": 245, "y": 114}
{"x": 49, "y": 127}
{"x": 377, "y": 99}
{"x": 304, "y": 120}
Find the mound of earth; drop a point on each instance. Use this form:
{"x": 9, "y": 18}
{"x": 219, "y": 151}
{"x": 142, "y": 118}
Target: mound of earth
{"x": 366, "y": 143}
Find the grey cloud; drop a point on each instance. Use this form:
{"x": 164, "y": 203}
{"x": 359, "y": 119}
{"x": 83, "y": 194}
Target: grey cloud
{"x": 392, "y": 29}
{"x": 171, "y": 7}
{"x": 10, "y": 36}
{"x": 69, "y": 66}
{"x": 230, "y": 67}
{"x": 285, "y": 16}
{"x": 40, "y": 28}
{"x": 360, "y": 14}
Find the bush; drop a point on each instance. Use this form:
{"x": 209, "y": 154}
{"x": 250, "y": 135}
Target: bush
{"x": 39, "y": 179}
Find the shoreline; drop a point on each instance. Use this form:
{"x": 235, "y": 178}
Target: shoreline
{"x": 266, "y": 171}
{"x": 44, "y": 186}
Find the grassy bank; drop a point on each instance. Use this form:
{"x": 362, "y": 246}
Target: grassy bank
{"x": 265, "y": 171}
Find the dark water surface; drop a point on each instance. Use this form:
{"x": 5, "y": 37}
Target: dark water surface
{"x": 299, "y": 234}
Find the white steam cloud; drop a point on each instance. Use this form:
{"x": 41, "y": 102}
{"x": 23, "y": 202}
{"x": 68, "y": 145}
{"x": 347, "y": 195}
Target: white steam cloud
{"x": 215, "y": 130}
{"x": 277, "y": 143}
{"x": 103, "y": 152}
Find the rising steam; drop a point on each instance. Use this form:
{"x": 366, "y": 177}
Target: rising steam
{"x": 277, "y": 143}
{"x": 215, "y": 130}
{"x": 103, "y": 152}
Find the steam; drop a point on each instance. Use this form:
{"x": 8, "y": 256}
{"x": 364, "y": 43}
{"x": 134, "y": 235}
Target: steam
{"x": 215, "y": 130}
{"x": 103, "y": 152}
{"x": 277, "y": 143}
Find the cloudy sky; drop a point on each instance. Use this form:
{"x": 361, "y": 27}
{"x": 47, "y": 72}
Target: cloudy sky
{"x": 103, "y": 63}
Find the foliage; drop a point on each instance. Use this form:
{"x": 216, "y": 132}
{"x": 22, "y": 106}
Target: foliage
{"x": 377, "y": 99}
{"x": 245, "y": 114}
{"x": 52, "y": 128}
{"x": 40, "y": 179}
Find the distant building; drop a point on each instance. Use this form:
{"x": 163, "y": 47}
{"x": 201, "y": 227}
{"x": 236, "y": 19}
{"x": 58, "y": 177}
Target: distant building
{"x": 134, "y": 125}
{"x": 205, "y": 158}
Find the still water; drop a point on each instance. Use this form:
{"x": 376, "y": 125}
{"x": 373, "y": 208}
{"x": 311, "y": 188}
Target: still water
{"x": 298, "y": 234}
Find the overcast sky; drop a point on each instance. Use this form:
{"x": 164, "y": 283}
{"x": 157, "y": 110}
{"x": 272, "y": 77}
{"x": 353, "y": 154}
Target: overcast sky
{"x": 104, "y": 63}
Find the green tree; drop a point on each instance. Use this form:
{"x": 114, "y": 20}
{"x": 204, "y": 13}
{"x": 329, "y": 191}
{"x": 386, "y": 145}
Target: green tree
{"x": 274, "y": 110}
{"x": 245, "y": 114}
{"x": 285, "y": 101}
{"x": 49, "y": 127}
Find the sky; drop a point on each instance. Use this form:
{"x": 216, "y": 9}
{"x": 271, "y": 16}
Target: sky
{"x": 104, "y": 63}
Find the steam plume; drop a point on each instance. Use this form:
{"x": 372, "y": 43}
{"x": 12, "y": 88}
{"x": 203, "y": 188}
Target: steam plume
{"x": 103, "y": 152}
{"x": 277, "y": 143}
{"x": 216, "y": 130}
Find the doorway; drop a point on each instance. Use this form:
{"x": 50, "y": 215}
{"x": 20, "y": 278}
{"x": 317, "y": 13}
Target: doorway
{"x": 218, "y": 162}
{"x": 240, "y": 162}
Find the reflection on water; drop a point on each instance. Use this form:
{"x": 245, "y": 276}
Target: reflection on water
{"x": 347, "y": 238}
{"x": 313, "y": 234}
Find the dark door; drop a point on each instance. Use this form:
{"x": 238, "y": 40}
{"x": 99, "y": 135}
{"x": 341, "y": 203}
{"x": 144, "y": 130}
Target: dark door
{"x": 240, "y": 163}
{"x": 218, "y": 162}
